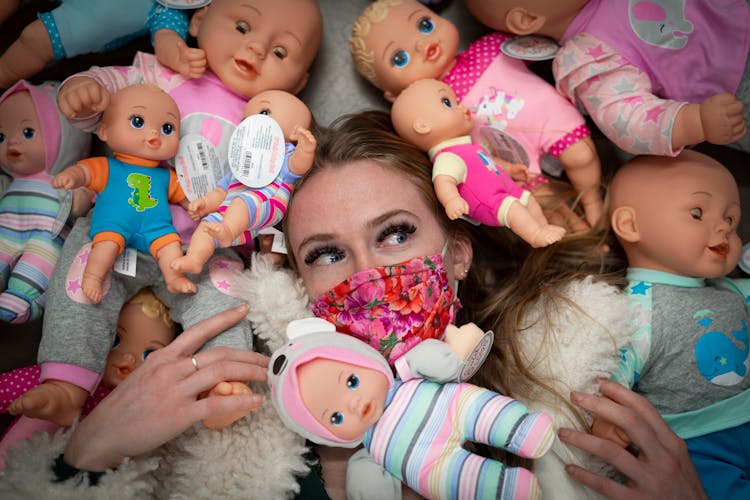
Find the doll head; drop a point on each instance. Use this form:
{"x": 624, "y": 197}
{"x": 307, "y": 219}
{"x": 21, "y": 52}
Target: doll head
{"x": 524, "y": 17}
{"x": 396, "y": 42}
{"x": 285, "y": 108}
{"x": 141, "y": 120}
{"x": 427, "y": 113}
{"x": 329, "y": 387}
{"x": 143, "y": 326}
{"x": 34, "y": 137}
{"x": 256, "y": 45}
{"x": 677, "y": 215}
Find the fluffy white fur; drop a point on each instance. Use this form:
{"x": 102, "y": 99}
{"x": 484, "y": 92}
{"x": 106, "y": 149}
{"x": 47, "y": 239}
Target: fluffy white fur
{"x": 257, "y": 457}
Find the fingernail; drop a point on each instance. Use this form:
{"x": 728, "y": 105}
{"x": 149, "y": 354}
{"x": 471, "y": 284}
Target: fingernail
{"x": 563, "y": 433}
{"x": 243, "y": 307}
{"x": 257, "y": 399}
{"x": 576, "y": 396}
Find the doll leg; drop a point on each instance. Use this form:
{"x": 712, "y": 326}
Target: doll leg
{"x": 25, "y": 295}
{"x": 201, "y": 248}
{"x": 236, "y": 220}
{"x": 521, "y": 221}
{"x": 26, "y": 56}
{"x": 557, "y": 212}
{"x": 175, "y": 280}
{"x": 100, "y": 261}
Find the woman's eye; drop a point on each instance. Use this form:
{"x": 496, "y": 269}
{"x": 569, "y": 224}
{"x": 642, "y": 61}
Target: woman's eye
{"x": 696, "y": 213}
{"x": 137, "y": 121}
{"x": 116, "y": 342}
{"x": 396, "y": 234}
{"x": 242, "y": 27}
{"x": 400, "y": 58}
{"x": 425, "y": 25}
{"x": 280, "y": 52}
{"x": 29, "y": 133}
{"x": 352, "y": 382}
{"x": 323, "y": 256}
{"x": 337, "y": 418}
{"x": 167, "y": 129}
{"x": 446, "y": 102}
{"x": 146, "y": 353}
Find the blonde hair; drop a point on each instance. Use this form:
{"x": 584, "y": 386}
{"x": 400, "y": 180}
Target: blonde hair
{"x": 363, "y": 58}
{"x": 151, "y": 306}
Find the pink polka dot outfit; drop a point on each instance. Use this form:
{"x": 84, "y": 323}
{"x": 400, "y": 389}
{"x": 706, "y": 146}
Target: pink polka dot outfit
{"x": 503, "y": 93}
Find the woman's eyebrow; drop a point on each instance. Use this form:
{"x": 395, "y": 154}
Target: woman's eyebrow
{"x": 387, "y": 215}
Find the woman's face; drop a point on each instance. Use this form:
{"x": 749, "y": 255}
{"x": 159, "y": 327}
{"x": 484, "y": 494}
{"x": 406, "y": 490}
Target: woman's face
{"x": 360, "y": 216}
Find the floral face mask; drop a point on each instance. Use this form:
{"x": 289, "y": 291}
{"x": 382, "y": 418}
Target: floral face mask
{"x": 394, "y": 307}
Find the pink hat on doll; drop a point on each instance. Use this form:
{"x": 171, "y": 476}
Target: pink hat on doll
{"x": 309, "y": 339}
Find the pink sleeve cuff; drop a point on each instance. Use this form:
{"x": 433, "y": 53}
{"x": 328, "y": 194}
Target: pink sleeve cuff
{"x": 403, "y": 370}
{"x": 82, "y": 377}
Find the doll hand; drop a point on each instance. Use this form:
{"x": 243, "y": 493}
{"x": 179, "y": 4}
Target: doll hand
{"x": 456, "y": 207}
{"x": 196, "y": 208}
{"x": 193, "y": 62}
{"x": 226, "y": 389}
{"x": 517, "y": 171}
{"x": 302, "y": 158}
{"x": 607, "y": 430}
{"x": 721, "y": 117}
{"x": 172, "y": 51}
{"x": 81, "y": 97}
{"x": 69, "y": 179}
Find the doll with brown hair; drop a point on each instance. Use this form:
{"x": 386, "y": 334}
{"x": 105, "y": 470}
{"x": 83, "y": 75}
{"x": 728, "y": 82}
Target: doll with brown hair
{"x": 233, "y": 213}
{"x": 143, "y": 327}
{"x": 79, "y": 27}
{"x": 689, "y": 354}
{"x": 654, "y": 76}
{"x": 36, "y": 142}
{"x": 142, "y": 125}
{"x": 466, "y": 179}
{"x": 521, "y": 116}
{"x": 250, "y": 46}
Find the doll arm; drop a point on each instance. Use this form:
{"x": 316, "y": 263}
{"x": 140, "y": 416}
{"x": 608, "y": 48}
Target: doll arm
{"x": 207, "y": 204}
{"x": 172, "y": 51}
{"x": 302, "y": 159}
{"x": 82, "y": 96}
{"x": 446, "y": 189}
{"x": 367, "y": 479}
{"x": 584, "y": 171}
{"x": 717, "y": 120}
{"x": 73, "y": 177}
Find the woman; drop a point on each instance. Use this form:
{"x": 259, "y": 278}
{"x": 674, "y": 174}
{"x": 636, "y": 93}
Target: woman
{"x": 367, "y": 202}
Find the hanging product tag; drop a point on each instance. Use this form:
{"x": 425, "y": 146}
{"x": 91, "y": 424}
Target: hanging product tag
{"x": 530, "y": 48}
{"x": 197, "y": 166}
{"x": 256, "y": 151}
{"x": 184, "y": 4}
{"x": 126, "y": 261}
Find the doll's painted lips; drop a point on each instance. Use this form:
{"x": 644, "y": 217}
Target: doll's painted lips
{"x": 246, "y": 68}
{"x": 432, "y": 52}
{"x": 722, "y": 249}
{"x": 14, "y": 154}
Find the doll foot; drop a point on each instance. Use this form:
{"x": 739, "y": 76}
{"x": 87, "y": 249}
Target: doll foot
{"x": 225, "y": 389}
{"x": 219, "y": 231}
{"x": 92, "y": 287}
{"x": 54, "y": 400}
{"x": 187, "y": 264}
{"x": 547, "y": 235}
{"x": 181, "y": 284}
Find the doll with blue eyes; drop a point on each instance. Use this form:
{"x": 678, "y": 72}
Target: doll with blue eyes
{"x": 336, "y": 390}
{"x": 36, "y": 142}
{"x": 141, "y": 124}
{"x": 466, "y": 179}
{"x": 519, "y": 115}
{"x": 143, "y": 326}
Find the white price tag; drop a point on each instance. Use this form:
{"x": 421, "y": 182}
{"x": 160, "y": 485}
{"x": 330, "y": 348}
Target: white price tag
{"x": 256, "y": 151}
{"x": 530, "y": 48}
{"x": 197, "y": 166}
{"x": 184, "y": 4}
{"x": 125, "y": 262}
{"x": 279, "y": 244}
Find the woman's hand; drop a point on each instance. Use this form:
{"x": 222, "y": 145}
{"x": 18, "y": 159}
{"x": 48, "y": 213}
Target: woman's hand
{"x": 662, "y": 468}
{"x": 159, "y": 400}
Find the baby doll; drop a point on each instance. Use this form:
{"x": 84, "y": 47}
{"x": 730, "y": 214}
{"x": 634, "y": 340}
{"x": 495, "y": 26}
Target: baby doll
{"x": 142, "y": 125}
{"x": 244, "y": 57}
{"x": 143, "y": 327}
{"x": 466, "y": 179}
{"x": 81, "y": 26}
{"x": 689, "y": 355}
{"x": 35, "y": 143}
{"x": 335, "y": 390}
{"x": 396, "y": 42}
{"x": 655, "y": 76}
{"x": 233, "y": 213}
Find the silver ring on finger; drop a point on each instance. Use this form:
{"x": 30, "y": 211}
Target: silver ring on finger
{"x": 195, "y": 362}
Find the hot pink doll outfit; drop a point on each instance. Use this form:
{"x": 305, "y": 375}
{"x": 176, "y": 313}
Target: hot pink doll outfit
{"x": 487, "y": 189}
{"x": 502, "y": 92}
{"x": 633, "y": 65}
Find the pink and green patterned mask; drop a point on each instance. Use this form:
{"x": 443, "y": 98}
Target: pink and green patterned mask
{"x": 392, "y": 308}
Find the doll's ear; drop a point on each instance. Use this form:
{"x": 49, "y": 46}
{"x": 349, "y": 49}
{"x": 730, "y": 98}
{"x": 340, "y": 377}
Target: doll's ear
{"x": 624, "y": 224}
{"x": 524, "y": 22}
{"x": 101, "y": 131}
{"x": 421, "y": 127}
{"x": 196, "y": 20}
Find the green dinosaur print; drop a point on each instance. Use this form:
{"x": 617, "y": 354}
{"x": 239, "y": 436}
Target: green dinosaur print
{"x": 141, "y": 198}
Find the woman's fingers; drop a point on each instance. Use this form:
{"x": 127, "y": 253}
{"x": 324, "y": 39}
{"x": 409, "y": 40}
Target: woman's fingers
{"x": 215, "y": 355}
{"x": 601, "y": 484}
{"x": 215, "y": 406}
{"x": 605, "y": 449}
{"x": 206, "y": 378}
